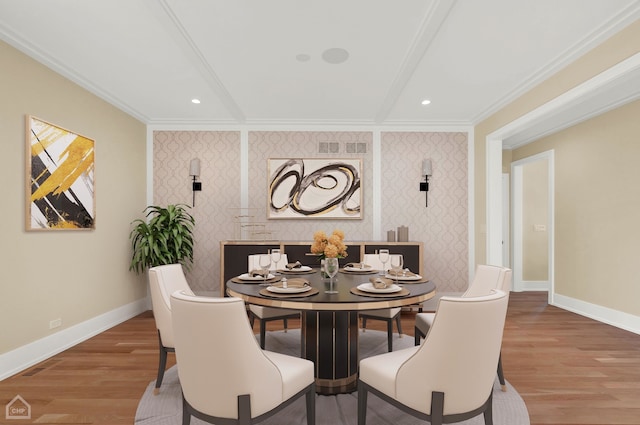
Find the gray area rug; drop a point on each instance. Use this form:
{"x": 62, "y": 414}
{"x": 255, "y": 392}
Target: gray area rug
{"x": 166, "y": 407}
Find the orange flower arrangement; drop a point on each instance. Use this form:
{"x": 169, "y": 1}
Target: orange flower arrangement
{"x": 329, "y": 246}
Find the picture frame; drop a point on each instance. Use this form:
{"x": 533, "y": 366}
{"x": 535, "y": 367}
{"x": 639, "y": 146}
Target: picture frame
{"x": 314, "y": 188}
{"x": 60, "y": 186}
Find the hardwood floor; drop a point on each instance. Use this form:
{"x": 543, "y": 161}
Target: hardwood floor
{"x": 568, "y": 369}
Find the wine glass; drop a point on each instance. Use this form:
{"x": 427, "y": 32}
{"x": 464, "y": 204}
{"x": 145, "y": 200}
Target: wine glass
{"x": 276, "y": 255}
{"x": 265, "y": 263}
{"x": 396, "y": 265}
{"x": 331, "y": 269}
{"x": 383, "y": 255}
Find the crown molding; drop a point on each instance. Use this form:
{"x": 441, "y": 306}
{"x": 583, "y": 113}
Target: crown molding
{"x": 571, "y": 54}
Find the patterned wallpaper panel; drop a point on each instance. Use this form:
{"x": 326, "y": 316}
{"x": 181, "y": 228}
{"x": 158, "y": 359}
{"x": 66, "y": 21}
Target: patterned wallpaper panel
{"x": 219, "y": 154}
{"x": 442, "y": 226}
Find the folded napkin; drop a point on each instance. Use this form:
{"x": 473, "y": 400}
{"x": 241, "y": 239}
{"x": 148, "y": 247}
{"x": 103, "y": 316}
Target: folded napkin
{"x": 295, "y": 265}
{"x": 357, "y": 265}
{"x": 403, "y": 273}
{"x": 254, "y": 273}
{"x": 293, "y": 283}
{"x": 380, "y": 282}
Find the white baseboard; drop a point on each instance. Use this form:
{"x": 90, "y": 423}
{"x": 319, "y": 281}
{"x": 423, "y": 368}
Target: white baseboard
{"x": 602, "y": 314}
{"x": 531, "y": 285}
{"x": 21, "y": 358}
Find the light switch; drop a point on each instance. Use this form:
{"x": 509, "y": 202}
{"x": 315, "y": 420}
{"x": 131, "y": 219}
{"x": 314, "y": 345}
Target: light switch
{"x": 539, "y": 228}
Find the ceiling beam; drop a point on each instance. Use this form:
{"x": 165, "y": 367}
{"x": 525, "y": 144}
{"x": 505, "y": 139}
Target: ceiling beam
{"x": 190, "y": 48}
{"x": 435, "y": 17}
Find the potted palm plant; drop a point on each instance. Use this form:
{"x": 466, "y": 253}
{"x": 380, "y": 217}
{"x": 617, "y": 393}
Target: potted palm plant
{"x": 166, "y": 237}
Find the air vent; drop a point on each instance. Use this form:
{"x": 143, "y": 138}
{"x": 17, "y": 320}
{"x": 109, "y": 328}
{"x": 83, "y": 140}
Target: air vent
{"x": 352, "y": 147}
{"x": 328, "y": 147}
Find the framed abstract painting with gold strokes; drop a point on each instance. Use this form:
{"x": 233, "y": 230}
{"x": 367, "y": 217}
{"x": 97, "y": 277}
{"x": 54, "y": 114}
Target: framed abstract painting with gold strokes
{"x": 60, "y": 186}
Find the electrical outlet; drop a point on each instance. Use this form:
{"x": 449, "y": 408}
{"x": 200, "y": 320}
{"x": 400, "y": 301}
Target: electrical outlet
{"x": 55, "y": 323}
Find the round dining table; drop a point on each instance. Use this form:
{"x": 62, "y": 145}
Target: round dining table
{"x": 329, "y": 330}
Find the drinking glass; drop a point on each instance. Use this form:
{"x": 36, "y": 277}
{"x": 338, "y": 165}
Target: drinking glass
{"x": 265, "y": 264}
{"x": 276, "y": 255}
{"x": 383, "y": 254}
{"x": 331, "y": 269}
{"x": 396, "y": 265}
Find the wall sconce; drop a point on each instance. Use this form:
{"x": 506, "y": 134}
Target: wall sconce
{"x": 194, "y": 171}
{"x": 424, "y": 186}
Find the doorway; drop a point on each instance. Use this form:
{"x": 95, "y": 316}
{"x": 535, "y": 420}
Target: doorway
{"x": 532, "y": 212}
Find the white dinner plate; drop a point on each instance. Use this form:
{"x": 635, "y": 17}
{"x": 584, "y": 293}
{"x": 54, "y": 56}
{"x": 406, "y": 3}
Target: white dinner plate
{"x": 289, "y": 289}
{"x": 358, "y": 269}
{"x": 368, "y": 287}
{"x": 297, "y": 269}
{"x": 412, "y": 277}
{"x": 247, "y": 276}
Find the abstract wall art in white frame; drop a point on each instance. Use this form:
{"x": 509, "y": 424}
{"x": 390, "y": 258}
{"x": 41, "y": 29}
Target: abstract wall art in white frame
{"x": 314, "y": 188}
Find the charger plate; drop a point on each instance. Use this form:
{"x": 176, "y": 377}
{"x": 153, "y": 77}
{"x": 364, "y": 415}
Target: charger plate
{"x": 402, "y": 293}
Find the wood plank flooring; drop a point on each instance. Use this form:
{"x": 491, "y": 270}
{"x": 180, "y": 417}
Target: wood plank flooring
{"x": 568, "y": 369}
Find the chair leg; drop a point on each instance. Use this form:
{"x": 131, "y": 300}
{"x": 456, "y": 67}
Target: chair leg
{"x": 399, "y": 325}
{"x": 364, "y": 324}
{"x": 285, "y": 324}
{"x": 263, "y": 333}
{"x": 488, "y": 413}
{"x": 362, "y": 404}
{"x": 418, "y": 334}
{"x": 244, "y": 409}
{"x": 311, "y": 405}
{"x": 503, "y": 384}
{"x": 437, "y": 408}
{"x": 186, "y": 415}
{"x": 162, "y": 364}
{"x": 390, "y": 335}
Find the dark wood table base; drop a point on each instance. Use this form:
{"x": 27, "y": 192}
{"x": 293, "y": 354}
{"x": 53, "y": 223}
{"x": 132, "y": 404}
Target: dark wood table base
{"x": 330, "y": 340}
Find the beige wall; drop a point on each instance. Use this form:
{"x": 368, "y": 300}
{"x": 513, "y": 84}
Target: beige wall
{"x": 580, "y": 229}
{"x": 442, "y": 226}
{"x": 619, "y": 47}
{"x": 72, "y": 275}
{"x": 597, "y": 206}
{"x": 535, "y": 206}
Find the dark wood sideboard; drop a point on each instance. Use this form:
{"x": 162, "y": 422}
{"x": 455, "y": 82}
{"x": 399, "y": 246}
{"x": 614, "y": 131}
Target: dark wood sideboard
{"x": 233, "y": 254}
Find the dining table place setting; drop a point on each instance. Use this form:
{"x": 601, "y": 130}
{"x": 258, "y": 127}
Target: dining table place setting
{"x": 296, "y": 268}
{"x": 380, "y": 287}
{"x": 256, "y": 276}
{"x": 358, "y": 268}
{"x": 289, "y": 288}
{"x": 405, "y": 276}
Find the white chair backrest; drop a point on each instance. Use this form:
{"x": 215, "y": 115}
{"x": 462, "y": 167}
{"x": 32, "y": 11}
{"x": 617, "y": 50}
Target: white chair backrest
{"x": 488, "y": 278}
{"x": 459, "y": 356}
{"x": 254, "y": 263}
{"x": 163, "y": 281}
{"x": 219, "y": 358}
{"x": 374, "y": 261}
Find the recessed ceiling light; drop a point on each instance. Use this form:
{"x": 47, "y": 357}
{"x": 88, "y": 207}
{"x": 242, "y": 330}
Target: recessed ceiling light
{"x": 335, "y": 55}
{"x": 426, "y": 102}
{"x": 196, "y": 101}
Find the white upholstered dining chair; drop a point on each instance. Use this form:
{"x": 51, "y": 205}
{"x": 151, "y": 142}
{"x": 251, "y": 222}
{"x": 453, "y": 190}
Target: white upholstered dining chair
{"x": 163, "y": 281}
{"x": 485, "y": 279}
{"x": 450, "y": 377}
{"x": 388, "y": 315}
{"x": 225, "y": 377}
{"x": 268, "y": 314}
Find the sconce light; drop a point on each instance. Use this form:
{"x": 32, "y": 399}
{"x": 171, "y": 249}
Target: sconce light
{"x": 424, "y": 186}
{"x": 194, "y": 171}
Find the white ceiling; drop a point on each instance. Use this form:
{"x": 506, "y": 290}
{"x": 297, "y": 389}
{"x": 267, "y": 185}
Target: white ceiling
{"x": 240, "y": 57}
